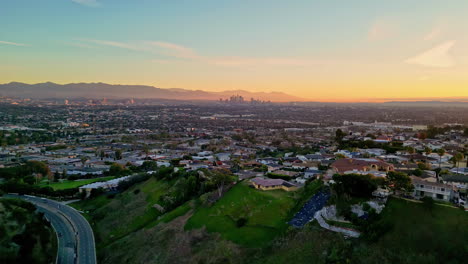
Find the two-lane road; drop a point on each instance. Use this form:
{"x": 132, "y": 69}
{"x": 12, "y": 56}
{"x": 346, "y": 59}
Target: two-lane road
{"x": 76, "y": 238}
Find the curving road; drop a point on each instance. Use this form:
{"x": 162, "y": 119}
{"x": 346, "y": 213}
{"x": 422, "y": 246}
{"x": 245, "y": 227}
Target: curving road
{"x": 75, "y": 236}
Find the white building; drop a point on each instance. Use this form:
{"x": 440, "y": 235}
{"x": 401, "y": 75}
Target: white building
{"x": 435, "y": 190}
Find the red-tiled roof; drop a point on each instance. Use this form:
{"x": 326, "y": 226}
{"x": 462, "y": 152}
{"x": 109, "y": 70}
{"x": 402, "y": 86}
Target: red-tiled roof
{"x": 343, "y": 165}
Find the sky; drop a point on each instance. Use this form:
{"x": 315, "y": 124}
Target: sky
{"x": 321, "y": 50}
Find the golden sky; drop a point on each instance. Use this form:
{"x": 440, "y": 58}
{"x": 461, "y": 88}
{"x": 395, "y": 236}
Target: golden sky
{"x": 317, "y": 50}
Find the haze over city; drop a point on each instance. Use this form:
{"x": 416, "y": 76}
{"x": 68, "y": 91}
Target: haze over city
{"x": 316, "y": 50}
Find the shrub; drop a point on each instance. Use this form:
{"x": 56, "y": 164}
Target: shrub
{"x": 241, "y": 222}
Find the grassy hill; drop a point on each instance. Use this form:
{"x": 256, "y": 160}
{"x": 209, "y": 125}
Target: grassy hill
{"x": 422, "y": 235}
{"x": 246, "y": 216}
{"x": 25, "y": 236}
{"x": 113, "y": 217}
{"x": 415, "y": 234}
{"x": 129, "y": 230}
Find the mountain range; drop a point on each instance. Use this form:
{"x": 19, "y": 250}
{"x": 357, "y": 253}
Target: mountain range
{"x": 112, "y": 91}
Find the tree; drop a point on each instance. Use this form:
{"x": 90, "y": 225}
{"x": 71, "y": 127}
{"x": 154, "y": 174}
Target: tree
{"x": 83, "y": 160}
{"x": 399, "y": 181}
{"x": 116, "y": 169}
{"x": 118, "y": 154}
{"x": 146, "y": 150}
{"x": 422, "y": 135}
{"x": 149, "y": 165}
{"x": 220, "y": 180}
{"x": 457, "y": 158}
{"x": 339, "y": 135}
{"x": 102, "y": 154}
{"x": 340, "y": 156}
{"x": 427, "y": 150}
{"x": 355, "y": 185}
{"x": 410, "y": 150}
{"x": 441, "y": 153}
{"x": 56, "y": 176}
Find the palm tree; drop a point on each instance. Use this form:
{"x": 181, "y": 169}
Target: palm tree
{"x": 428, "y": 151}
{"x": 458, "y": 157}
{"x": 441, "y": 153}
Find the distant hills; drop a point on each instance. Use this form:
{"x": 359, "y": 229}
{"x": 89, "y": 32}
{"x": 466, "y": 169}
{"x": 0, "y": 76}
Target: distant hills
{"x": 111, "y": 91}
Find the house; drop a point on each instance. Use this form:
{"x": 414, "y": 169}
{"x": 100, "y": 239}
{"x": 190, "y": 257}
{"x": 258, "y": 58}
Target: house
{"x": 272, "y": 184}
{"x": 286, "y": 173}
{"x": 267, "y": 161}
{"x": 456, "y": 180}
{"x": 106, "y": 185}
{"x": 312, "y": 172}
{"x": 248, "y": 174}
{"x": 463, "y": 171}
{"x": 344, "y": 165}
{"x": 223, "y": 156}
{"x": 374, "y": 151}
{"x": 274, "y": 167}
{"x": 383, "y": 139}
{"x": 302, "y": 166}
{"x": 435, "y": 190}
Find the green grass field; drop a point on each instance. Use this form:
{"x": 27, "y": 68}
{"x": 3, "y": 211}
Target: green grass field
{"x": 74, "y": 184}
{"x": 266, "y": 213}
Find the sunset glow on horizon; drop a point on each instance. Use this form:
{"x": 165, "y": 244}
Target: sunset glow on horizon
{"x": 333, "y": 51}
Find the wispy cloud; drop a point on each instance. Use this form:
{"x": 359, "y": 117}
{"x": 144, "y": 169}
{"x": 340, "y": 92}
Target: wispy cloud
{"x": 175, "y": 50}
{"x": 91, "y": 3}
{"x": 115, "y": 44}
{"x": 13, "y": 43}
{"x": 179, "y": 53}
{"x": 438, "y": 56}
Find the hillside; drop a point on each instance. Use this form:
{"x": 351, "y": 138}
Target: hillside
{"x": 127, "y": 231}
{"x": 103, "y": 90}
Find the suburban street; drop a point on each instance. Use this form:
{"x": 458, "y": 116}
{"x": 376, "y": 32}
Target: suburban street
{"x": 75, "y": 236}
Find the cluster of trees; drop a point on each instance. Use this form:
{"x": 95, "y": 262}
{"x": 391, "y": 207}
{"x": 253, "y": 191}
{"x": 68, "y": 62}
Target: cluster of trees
{"x": 27, "y": 170}
{"x": 13, "y": 186}
{"x": 55, "y": 147}
{"x": 351, "y": 186}
{"x": 356, "y": 185}
{"x": 124, "y": 185}
{"x": 28, "y": 237}
{"x": 22, "y": 137}
{"x": 433, "y": 131}
{"x": 191, "y": 184}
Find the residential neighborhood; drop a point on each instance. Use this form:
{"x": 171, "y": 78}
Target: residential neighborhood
{"x": 240, "y": 170}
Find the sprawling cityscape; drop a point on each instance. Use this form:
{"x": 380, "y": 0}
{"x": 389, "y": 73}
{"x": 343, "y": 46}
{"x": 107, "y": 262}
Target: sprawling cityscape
{"x": 324, "y": 165}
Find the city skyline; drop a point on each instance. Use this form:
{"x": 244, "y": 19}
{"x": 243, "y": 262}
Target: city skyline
{"x": 321, "y": 51}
